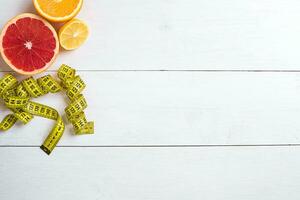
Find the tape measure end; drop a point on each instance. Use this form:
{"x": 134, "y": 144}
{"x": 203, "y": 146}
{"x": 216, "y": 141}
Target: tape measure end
{"x": 47, "y": 151}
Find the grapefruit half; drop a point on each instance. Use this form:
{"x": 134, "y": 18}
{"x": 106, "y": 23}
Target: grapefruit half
{"x": 28, "y": 44}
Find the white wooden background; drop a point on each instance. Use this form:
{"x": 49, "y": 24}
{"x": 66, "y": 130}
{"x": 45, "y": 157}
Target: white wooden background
{"x": 194, "y": 99}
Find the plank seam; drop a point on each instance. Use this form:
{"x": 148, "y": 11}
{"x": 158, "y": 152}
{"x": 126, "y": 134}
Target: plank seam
{"x": 154, "y": 146}
{"x": 163, "y": 70}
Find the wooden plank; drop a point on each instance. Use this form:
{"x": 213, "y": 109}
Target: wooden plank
{"x": 151, "y": 173}
{"x": 170, "y": 108}
{"x": 182, "y": 35}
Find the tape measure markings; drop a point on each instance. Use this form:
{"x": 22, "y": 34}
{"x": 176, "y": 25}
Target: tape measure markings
{"x": 16, "y": 97}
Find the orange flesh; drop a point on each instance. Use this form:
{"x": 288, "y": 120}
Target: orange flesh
{"x": 58, "y": 8}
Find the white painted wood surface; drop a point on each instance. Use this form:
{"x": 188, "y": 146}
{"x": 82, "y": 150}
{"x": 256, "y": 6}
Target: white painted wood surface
{"x": 181, "y": 35}
{"x": 179, "y": 108}
{"x": 230, "y": 77}
{"x": 151, "y": 173}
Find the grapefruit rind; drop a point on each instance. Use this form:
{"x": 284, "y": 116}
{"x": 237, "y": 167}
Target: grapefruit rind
{"x": 8, "y": 62}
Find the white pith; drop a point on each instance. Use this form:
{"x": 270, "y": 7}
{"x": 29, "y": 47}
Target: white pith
{"x": 28, "y": 45}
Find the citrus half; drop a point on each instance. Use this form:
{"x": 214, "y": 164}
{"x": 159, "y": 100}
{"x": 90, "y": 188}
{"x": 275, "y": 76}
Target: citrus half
{"x": 28, "y": 44}
{"x": 73, "y": 34}
{"x": 58, "y": 10}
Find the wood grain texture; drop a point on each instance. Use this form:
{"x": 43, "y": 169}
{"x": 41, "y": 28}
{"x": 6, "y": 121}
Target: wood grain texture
{"x": 150, "y": 173}
{"x": 171, "y": 108}
{"x": 136, "y": 106}
{"x": 182, "y": 35}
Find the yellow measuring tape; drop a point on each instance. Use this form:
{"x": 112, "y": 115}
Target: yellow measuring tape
{"x": 74, "y": 85}
{"x": 17, "y": 97}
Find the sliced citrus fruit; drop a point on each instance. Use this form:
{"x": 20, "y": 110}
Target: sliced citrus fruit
{"x": 58, "y": 10}
{"x": 28, "y": 44}
{"x": 73, "y": 34}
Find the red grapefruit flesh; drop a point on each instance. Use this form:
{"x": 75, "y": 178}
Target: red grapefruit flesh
{"x": 29, "y": 44}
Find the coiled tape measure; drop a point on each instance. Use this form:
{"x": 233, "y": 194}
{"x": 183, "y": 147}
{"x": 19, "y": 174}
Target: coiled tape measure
{"x": 17, "y": 97}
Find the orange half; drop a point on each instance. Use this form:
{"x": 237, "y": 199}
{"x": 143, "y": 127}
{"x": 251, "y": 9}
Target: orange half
{"x": 58, "y": 10}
